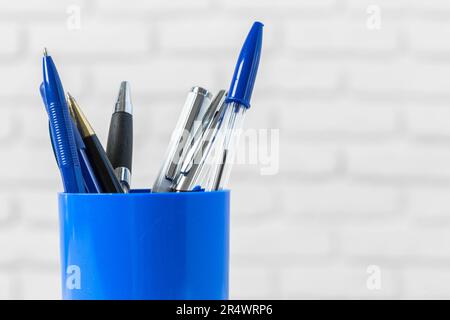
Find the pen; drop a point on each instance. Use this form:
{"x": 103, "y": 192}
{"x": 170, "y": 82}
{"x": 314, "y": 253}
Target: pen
{"x": 194, "y": 168}
{"x": 42, "y": 91}
{"x": 238, "y": 101}
{"x": 200, "y": 132}
{"x": 223, "y": 132}
{"x": 120, "y": 137}
{"x": 205, "y": 178}
{"x": 90, "y": 180}
{"x": 94, "y": 150}
{"x": 194, "y": 109}
{"x": 61, "y": 128}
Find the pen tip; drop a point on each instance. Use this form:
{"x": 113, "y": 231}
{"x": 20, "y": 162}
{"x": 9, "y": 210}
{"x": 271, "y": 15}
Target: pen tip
{"x": 123, "y": 103}
{"x": 45, "y": 52}
{"x": 71, "y": 102}
{"x": 124, "y": 86}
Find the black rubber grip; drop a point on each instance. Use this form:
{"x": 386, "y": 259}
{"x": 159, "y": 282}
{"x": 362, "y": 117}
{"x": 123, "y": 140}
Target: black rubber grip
{"x": 120, "y": 140}
{"x": 103, "y": 169}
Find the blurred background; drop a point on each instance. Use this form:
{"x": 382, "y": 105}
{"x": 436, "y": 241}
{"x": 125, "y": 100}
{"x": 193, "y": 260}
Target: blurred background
{"x": 353, "y": 96}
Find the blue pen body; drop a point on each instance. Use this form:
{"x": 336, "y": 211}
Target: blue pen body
{"x": 50, "y": 131}
{"x": 61, "y": 129}
{"x": 90, "y": 181}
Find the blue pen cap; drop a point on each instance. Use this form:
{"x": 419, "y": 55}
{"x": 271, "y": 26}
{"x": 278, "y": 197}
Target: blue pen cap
{"x": 244, "y": 76}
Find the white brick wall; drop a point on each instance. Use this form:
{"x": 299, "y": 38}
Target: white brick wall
{"x": 327, "y": 282}
{"x": 363, "y": 118}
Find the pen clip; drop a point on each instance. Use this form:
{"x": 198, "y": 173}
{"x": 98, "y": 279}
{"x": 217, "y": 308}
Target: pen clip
{"x": 185, "y": 135}
{"x": 193, "y": 165}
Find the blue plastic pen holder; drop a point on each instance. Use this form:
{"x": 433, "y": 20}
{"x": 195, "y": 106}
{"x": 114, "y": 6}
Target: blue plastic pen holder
{"x": 145, "y": 245}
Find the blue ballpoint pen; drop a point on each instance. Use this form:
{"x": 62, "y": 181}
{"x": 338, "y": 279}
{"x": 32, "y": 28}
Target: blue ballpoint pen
{"x": 227, "y": 123}
{"x": 238, "y": 101}
{"x": 90, "y": 180}
{"x": 61, "y": 129}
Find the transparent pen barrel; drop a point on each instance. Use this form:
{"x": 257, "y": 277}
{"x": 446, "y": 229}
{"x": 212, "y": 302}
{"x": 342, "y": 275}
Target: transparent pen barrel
{"x": 222, "y": 156}
{"x": 194, "y": 108}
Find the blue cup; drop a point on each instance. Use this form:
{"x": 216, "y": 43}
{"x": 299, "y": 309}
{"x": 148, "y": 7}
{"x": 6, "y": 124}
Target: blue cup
{"x": 145, "y": 245}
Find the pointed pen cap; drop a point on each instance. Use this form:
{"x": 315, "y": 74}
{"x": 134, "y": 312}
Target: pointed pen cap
{"x": 244, "y": 76}
{"x": 123, "y": 102}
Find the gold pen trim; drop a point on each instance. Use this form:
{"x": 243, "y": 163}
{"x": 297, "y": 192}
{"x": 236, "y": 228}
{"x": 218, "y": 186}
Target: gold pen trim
{"x": 82, "y": 123}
